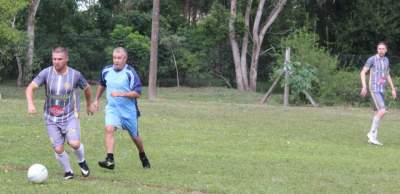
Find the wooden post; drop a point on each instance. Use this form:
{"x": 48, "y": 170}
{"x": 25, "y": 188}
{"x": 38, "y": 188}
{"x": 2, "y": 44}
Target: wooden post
{"x": 286, "y": 89}
{"x": 266, "y": 96}
{"x": 309, "y": 97}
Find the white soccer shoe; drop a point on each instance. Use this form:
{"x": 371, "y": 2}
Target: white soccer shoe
{"x": 372, "y": 140}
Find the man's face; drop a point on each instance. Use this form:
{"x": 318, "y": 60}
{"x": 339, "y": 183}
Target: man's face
{"x": 119, "y": 60}
{"x": 382, "y": 50}
{"x": 60, "y": 61}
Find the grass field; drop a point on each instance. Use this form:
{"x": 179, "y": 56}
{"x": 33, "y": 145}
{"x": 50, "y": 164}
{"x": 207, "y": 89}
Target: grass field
{"x": 211, "y": 140}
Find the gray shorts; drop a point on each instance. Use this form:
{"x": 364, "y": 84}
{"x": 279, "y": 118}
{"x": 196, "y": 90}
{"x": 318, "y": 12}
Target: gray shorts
{"x": 58, "y": 132}
{"x": 379, "y": 100}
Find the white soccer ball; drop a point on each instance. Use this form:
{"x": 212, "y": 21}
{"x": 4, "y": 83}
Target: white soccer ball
{"x": 37, "y": 173}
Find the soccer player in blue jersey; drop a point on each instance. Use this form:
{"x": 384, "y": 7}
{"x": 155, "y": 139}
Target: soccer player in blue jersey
{"x": 61, "y": 108}
{"x": 378, "y": 67}
{"x": 123, "y": 87}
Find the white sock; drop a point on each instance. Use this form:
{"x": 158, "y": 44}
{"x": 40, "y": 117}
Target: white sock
{"x": 63, "y": 159}
{"x": 374, "y": 126}
{"x": 80, "y": 153}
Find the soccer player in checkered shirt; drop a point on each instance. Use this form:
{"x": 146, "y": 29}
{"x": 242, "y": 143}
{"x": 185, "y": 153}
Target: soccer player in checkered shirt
{"x": 379, "y": 76}
{"x": 61, "y": 108}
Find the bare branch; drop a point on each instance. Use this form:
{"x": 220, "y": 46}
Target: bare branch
{"x": 256, "y": 25}
{"x": 272, "y": 17}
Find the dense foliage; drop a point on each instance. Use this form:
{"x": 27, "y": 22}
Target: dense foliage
{"x": 330, "y": 39}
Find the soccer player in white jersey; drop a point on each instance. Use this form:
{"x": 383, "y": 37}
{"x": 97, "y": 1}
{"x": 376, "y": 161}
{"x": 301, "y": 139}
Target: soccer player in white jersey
{"x": 379, "y": 76}
{"x": 61, "y": 108}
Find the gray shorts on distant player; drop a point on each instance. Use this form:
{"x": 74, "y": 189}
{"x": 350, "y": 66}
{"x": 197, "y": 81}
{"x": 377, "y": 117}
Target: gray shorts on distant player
{"x": 58, "y": 132}
{"x": 378, "y": 100}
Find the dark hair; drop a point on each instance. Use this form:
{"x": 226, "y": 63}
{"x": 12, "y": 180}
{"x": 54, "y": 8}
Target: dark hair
{"x": 60, "y": 49}
{"x": 382, "y": 43}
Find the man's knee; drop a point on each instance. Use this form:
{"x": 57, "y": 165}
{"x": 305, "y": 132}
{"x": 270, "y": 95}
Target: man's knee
{"x": 75, "y": 144}
{"x": 382, "y": 112}
{"x": 59, "y": 149}
{"x": 136, "y": 138}
{"x": 110, "y": 130}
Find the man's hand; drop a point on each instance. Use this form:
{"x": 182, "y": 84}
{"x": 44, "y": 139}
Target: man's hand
{"x": 32, "y": 109}
{"x": 94, "y": 106}
{"x": 394, "y": 93}
{"x": 117, "y": 94}
{"x": 89, "y": 109}
{"x": 364, "y": 92}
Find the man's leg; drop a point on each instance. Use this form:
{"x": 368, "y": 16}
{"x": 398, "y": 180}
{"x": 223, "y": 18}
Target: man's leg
{"x": 142, "y": 155}
{"x": 109, "y": 138}
{"x": 109, "y": 142}
{"x": 63, "y": 160}
{"x": 379, "y": 114}
{"x": 73, "y": 138}
{"x": 57, "y": 139}
{"x": 132, "y": 127}
{"x": 138, "y": 142}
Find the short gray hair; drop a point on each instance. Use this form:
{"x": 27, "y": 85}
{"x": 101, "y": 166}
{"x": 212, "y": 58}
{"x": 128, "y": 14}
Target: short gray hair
{"x": 121, "y": 50}
{"x": 60, "y": 49}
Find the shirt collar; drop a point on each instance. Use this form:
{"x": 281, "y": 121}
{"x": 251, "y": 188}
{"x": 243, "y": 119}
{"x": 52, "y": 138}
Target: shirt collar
{"x": 118, "y": 70}
{"x": 55, "y": 71}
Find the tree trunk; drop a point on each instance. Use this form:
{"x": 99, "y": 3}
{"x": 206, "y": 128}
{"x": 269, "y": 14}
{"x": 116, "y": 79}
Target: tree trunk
{"x": 176, "y": 68}
{"x": 254, "y": 65}
{"x": 194, "y": 15}
{"x": 19, "y": 63}
{"x": 154, "y": 50}
{"x": 286, "y": 88}
{"x": 256, "y": 46}
{"x": 245, "y": 43}
{"x": 31, "y": 37}
{"x": 220, "y": 59}
{"x": 20, "y": 81}
{"x": 186, "y": 7}
{"x": 240, "y": 57}
{"x": 258, "y": 36}
{"x": 235, "y": 47}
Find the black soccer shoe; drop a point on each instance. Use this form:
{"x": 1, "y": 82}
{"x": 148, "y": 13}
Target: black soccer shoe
{"x": 68, "y": 175}
{"x": 84, "y": 168}
{"x": 145, "y": 161}
{"x": 107, "y": 163}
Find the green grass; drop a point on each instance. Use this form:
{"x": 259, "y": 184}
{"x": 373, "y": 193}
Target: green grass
{"x": 211, "y": 140}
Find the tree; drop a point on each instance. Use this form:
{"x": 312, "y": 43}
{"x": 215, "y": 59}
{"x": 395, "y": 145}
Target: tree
{"x": 258, "y": 34}
{"x": 312, "y": 67}
{"x": 10, "y": 36}
{"x": 17, "y": 51}
{"x": 154, "y": 50}
{"x": 240, "y": 60}
{"x": 31, "y": 36}
{"x": 172, "y": 43}
{"x": 136, "y": 44}
{"x": 8, "y": 12}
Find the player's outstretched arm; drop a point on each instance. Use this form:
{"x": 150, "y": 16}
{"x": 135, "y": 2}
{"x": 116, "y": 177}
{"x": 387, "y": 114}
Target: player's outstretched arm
{"x": 29, "y": 97}
{"x": 363, "y": 82}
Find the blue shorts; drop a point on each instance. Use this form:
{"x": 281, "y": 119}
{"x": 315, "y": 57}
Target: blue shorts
{"x": 126, "y": 121}
{"x": 379, "y": 100}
